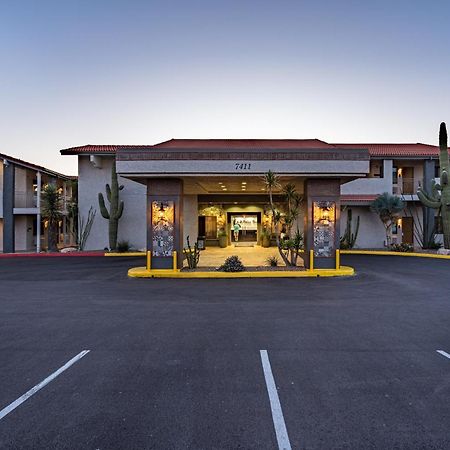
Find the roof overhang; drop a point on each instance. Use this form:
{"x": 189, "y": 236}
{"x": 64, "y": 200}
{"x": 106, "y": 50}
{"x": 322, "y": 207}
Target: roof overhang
{"x": 138, "y": 163}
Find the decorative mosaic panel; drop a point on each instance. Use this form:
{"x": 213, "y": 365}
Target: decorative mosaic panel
{"x": 162, "y": 228}
{"x": 324, "y": 215}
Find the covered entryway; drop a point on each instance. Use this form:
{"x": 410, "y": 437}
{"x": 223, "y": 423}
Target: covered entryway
{"x": 227, "y": 175}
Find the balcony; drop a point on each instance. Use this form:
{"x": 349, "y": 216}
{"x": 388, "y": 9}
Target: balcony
{"x": 24, "y": 199}
{"x": 407, "y": 186}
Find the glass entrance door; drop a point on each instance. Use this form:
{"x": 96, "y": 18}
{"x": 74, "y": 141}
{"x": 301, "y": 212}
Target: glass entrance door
{"x": 244, "y": 228}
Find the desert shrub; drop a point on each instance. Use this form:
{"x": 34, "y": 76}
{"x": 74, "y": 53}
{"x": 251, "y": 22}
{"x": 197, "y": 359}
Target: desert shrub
{"x": 403, "y": 247}
{"x": 272, "y": 261}
{"x": 123, "y": 246}
{"x": 433, "y": 245}
{"x": 232, "y": 264}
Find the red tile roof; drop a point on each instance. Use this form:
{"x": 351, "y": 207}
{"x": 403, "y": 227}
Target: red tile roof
{"x": 244, "y": 144}
{"x": 35, "y": 167}
{"x": 358, "y": 199}
{"x": 90, "y": 149}
{"x": 375, "y": 150}
{"x": 393, "y": 150}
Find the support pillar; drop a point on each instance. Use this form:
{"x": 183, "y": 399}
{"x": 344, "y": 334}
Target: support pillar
{"x": 9, "y": 235}
{"x": 38, "y": 206}
{"x": 165, "y": 222}
{"x": 322, "y": 219}
{"x": 428, "y": 213}
{"x": 64, "y": 218}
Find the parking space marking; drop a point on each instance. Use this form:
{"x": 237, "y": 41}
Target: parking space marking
{"x": 12, "y": 406}
{"x": 441, "y": 352}
{"x": 275, "y": 405}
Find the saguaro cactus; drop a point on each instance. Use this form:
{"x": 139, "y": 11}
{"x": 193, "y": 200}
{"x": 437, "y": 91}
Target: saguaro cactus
{"x": 116, "y": 207}
{"x": 439, "y": 197}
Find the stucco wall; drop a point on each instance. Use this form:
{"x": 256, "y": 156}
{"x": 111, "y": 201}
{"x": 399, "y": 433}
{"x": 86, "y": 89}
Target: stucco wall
{"x": 132, "y": 225}
{"x": 371, "y": 231}
{"x": 371, "y": 185}
{"x": 1, "y": 196}
{"x": 190, "y": 219}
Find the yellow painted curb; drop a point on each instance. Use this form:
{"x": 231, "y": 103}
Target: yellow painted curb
{"x": 125, "y": 254}
{"x": 142, "y": 272}
{"x": 388, "y": 253}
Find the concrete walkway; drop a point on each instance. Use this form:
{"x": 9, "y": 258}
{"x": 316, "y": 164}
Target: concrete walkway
{"x": 250, "y": 256}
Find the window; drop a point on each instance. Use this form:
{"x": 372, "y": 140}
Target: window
{"x": 376, "y": 169}
{"x": 394, "y": 175}
{"x": 437, "y": 171}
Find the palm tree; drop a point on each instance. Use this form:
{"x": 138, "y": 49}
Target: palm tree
{"x": 388, "y": 207}
{"x": 51, "y": 210}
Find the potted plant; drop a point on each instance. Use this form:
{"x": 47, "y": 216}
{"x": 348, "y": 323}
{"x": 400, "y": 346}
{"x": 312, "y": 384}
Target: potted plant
{"x": 265, "y": 238}
{"x": 223, "y": 238}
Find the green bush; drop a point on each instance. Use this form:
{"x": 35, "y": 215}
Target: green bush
{"x": 433, "y": 245}
{"x": 232, "y": 264}
{"x": 403, "y": 247}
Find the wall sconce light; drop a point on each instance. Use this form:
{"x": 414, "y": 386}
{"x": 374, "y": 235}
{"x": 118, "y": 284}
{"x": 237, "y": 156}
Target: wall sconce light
{"x": 399, "y": 222}
{"x": 400, "y": 172}
{"x": 325, "y": 216}
{"x": 162, "y": 210}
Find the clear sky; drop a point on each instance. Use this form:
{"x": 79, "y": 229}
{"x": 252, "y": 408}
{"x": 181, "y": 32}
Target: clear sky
{"x": 140, "y": 72}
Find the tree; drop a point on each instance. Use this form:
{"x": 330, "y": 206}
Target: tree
{"x": 291, "y": 245}
{"x": 389, "y": 208}
{"x": 51, "y": 211}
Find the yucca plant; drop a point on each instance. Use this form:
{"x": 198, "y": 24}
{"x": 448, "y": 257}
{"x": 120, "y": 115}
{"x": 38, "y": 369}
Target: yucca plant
{"x": 51, "y": 210}
{"x": 272, "y": 182}
{"x": 291, "y": 245}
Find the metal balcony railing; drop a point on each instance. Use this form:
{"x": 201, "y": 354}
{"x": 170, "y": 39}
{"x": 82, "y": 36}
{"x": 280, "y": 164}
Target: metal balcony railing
{"x": 407, "y": 186}
{"x": 28, "y": 199}
{"x": 23, "y": 199}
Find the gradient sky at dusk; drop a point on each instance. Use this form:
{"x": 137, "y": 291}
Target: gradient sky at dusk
{"x": 140, "y": 72}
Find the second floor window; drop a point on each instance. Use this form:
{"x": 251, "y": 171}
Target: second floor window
{"x": 376, "y": 169}
{"x": 437, "y": 171}
{"x": 394, "y": 175}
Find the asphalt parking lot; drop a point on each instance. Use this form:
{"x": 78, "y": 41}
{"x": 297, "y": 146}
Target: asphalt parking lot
{"x": 180, "y": 364}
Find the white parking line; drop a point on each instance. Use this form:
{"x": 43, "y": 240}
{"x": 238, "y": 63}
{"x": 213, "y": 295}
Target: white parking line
{"x": 441, "y": 352}
{"x": 275, "y": 406}
{"x": 32, "y": 391}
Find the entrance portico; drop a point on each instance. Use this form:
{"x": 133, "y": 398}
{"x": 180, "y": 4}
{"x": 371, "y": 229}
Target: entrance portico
{"x": 187, "y": 178}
